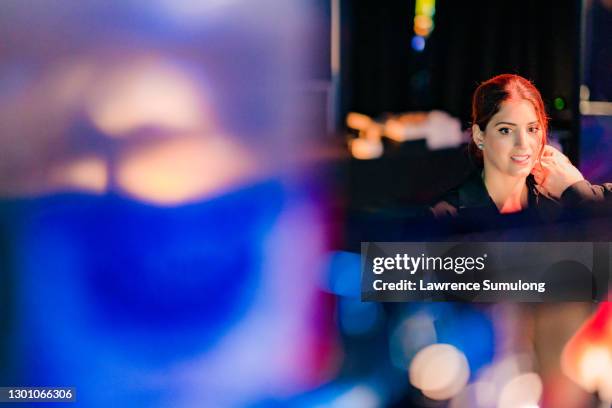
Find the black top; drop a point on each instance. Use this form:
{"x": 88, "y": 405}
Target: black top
{"x": 472, "y": 198}
{"x": 468, "y": 213}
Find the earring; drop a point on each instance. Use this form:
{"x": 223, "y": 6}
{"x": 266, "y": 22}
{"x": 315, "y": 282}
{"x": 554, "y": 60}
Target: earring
{"x": 481, "y": 146}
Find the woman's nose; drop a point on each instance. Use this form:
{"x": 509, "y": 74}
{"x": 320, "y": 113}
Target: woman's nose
{"x": 521, "y": 138}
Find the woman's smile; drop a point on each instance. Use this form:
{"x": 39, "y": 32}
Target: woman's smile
{"x": 522, "y": 159}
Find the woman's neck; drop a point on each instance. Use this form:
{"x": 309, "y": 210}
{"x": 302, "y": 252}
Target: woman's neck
{"x": 508, "y": 193}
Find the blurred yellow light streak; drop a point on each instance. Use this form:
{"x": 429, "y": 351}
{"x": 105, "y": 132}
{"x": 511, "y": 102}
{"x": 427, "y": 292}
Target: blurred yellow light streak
{"x": 424, "y": 11}
{"x": 425, "y": 7}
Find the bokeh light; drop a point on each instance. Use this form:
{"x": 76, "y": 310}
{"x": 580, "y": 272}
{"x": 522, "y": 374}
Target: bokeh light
{"x": 559, "y": 103}
{"x": 587, "y": 356}
{"x": 87, "y": 174}
{"x": 524, "y": 390}
{"x": 358, "y": 121}
{"x": 595, "y": 365}
{"x": 344, "y": 274}
{"x": 418, "y": 43}
{"x": 440, "y": 371}
{"x": 423, "y": 25}
{"x": 366, "y": 149}
{"x": 180, "y": 170}
{"x": 146, "y": 94}
{"x": 424, "y": 11}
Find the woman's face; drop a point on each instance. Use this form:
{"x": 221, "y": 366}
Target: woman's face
{"x": 512, "y": 139}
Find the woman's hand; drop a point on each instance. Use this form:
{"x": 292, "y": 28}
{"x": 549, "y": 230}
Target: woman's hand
{"x": 554, "y": 173}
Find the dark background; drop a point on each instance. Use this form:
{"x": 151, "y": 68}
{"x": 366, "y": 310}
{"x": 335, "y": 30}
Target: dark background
{"x": 470, "y": 43}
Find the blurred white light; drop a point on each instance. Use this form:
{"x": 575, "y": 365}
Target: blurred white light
{"x": 492, "y": 378}
{"x": 146, "y": 94}
{"x": 605, "y": 387}
{"x": 506, "y": 369}
{"x": 443, "y": 131}
{"x": 440, "y": 371}
{"x": 595, "y": 364}
{"x": 524, "y": 390}
{"x": 464, "y": 399}
{"x": 182, "y": 170}
{"x": 479, "y": 394}
{"x": 439, "y": 129}
{"x": 585, "y": 93}
{"x": 486, "y": 393}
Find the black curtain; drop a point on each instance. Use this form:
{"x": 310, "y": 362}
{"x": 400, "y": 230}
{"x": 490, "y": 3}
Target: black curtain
{"x": 471, "y": 42}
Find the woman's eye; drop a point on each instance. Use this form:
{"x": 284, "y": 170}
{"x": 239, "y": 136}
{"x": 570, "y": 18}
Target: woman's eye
{"x": 505, "y": 131}
{"x": 534, "y": 129}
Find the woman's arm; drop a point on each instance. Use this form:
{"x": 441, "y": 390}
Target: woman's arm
{"x": 585, "y": 192}
{"x": 560, "y": 179}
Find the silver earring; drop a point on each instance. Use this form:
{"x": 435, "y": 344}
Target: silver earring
{"x": 481, "y": 146}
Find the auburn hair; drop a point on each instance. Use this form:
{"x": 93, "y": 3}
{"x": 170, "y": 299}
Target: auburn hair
{"x": 489, "y": 96}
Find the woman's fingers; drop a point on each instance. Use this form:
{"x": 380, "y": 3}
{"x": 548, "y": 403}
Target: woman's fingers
{"x": 551, "y": 152}
{"x": 547, "y": 162}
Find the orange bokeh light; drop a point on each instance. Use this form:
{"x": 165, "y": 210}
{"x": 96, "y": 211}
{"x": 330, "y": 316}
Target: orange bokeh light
{"x": 587, "y": 357}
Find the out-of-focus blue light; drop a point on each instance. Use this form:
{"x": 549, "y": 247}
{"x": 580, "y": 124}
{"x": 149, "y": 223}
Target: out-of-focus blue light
{"x": 418, "y": 43}
{"x": 193, "y": 11}
{"x": 161, "y": 282}
{"x": 344, "y": 276}
{"x": 410, "y": 336}
{"x": 462, "y": 326}
{"x": 356, "y": 317}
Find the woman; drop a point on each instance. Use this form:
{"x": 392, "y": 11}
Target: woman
{"x": 517, "y": 171}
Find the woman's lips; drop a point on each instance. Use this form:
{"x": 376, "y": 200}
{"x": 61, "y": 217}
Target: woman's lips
{"x": 520, "y": 158}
